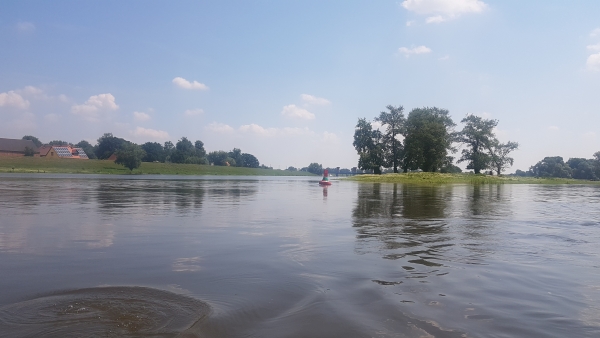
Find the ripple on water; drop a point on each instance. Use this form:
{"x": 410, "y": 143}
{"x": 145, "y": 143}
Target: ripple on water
{"x": 103, "y": 311}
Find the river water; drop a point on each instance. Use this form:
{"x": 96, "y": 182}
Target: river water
{"x": 137, "y": 256}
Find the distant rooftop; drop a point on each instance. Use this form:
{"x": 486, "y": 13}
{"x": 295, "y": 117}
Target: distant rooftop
{"x": 16, "y": 145}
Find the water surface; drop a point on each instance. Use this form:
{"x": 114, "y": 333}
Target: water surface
{"x": 283, "y": 257}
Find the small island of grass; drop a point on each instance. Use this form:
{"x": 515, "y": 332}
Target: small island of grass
{"x": 439, "y": 178}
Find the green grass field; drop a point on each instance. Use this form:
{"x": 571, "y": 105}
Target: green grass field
{"x": 437, "y": 178}
{"x": 76, "y": 166}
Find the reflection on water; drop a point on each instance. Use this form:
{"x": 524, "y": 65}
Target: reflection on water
{"x": 283, "y": 257}
{"x": 485, "y": 246}
{"x": 409, "y": 221}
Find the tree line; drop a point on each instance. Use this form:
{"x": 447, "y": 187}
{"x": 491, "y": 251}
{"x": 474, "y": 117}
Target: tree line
{"x": 555, "y": 166}
{"x": 425, "y": 140}
{"x": 131, "y": 155}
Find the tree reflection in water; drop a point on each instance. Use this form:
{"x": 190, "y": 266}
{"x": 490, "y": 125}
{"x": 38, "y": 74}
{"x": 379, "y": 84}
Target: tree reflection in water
{"x": 127, "y": 196}
{"x": 428, "y": 227}
{"x": 409, "y": 220}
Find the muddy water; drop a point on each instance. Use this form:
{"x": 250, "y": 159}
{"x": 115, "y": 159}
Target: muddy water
{"x": 282, "y": 257}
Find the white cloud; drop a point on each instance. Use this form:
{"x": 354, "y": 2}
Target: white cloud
{"x": 94, "y": 105}
{"x": 414, "y": 51}
{"x": 292, "y": 111}
{"x": 219, "y": 127}
{"x": 256, "y": 129}
{"x": 593, "y": 62}
{"x": 40, "y": 94}
{"x": 443, "y": 10}
{"x": 444, "y": 58}
{"x": 150, "y": 134}
{"x": 140, "y": 116}
{"x": 193, "y": 112}
{"x": 310, "y": 99}
{"x": 435, "y": 19}
{"x": 330, "y": 137}
{"x": 410, "y": 23}
{"x": 25, "y": 27}
{"x": 13, "y": 99}
{"x": 595, "y": 32}
{"x": 33, "y": 90}
{"x": 594, "y": 47}
{"x": 553, "y": 128}
{"x": 185, "y": 84}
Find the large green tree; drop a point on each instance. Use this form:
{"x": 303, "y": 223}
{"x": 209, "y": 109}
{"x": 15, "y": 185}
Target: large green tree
{"x": 499, "y": 158}
{"x": 552, "y": 166}
{"x": 393, "y": 121}
{"x": 108, "y": 145}
{"x": 582, "y": 168}
{"x": 154, "y": 152}
{"x": 478, "y": 136}
{"x": 220, "y": 157}
{"x": 315, "y": 168}
{"x": 428, "y": 137}
{"x": 199, "y": 146}
{"x": 183, "y": 150}
{"x": 250, "y": 161}
{"x": 368, "y": 143}
{"x": 236, "y": 155}
{"x": 130, "y": 156}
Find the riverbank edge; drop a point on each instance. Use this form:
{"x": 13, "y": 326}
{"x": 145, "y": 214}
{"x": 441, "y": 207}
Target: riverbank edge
{"x": 106, "y": 167}
{"x": 439, "y": 178}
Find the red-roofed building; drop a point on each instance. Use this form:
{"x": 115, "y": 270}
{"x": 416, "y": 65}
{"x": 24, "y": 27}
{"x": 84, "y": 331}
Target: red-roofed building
{"x": 63, "y": 152}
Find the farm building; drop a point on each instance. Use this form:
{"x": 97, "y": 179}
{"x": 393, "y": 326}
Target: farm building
{"x": 63, "y": 152}
{"x": 15, "y": 148}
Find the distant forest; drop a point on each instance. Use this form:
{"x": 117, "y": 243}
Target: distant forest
{"x": 184, "y": 151}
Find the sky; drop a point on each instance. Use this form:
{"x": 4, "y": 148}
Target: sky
{"x": 287, "y": 80}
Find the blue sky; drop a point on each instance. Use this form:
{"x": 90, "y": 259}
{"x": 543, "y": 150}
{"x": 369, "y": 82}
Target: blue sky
{"x": 287, "y": 80}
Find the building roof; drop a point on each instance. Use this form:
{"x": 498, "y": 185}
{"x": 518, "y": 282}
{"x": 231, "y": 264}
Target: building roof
{"x": 44, "y": 150}
{"x": 63, "y": 151}
{"x": 66, "y": 152}
{"x": 81, "y": 153}
{"x": 16, "y": 145}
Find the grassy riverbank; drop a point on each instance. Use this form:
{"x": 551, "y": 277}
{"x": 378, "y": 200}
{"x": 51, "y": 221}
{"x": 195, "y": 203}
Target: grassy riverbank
{"x": 437, "y": 178}
{"x": 74, "y": 166}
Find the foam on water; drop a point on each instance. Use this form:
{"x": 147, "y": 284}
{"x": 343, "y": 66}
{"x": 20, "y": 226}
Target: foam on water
{"x": 103, "y": 311}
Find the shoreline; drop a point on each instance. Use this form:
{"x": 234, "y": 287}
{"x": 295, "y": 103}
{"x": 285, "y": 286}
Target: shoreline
{"x": 34, "y": 165}
{"x": 439, "y": 178}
